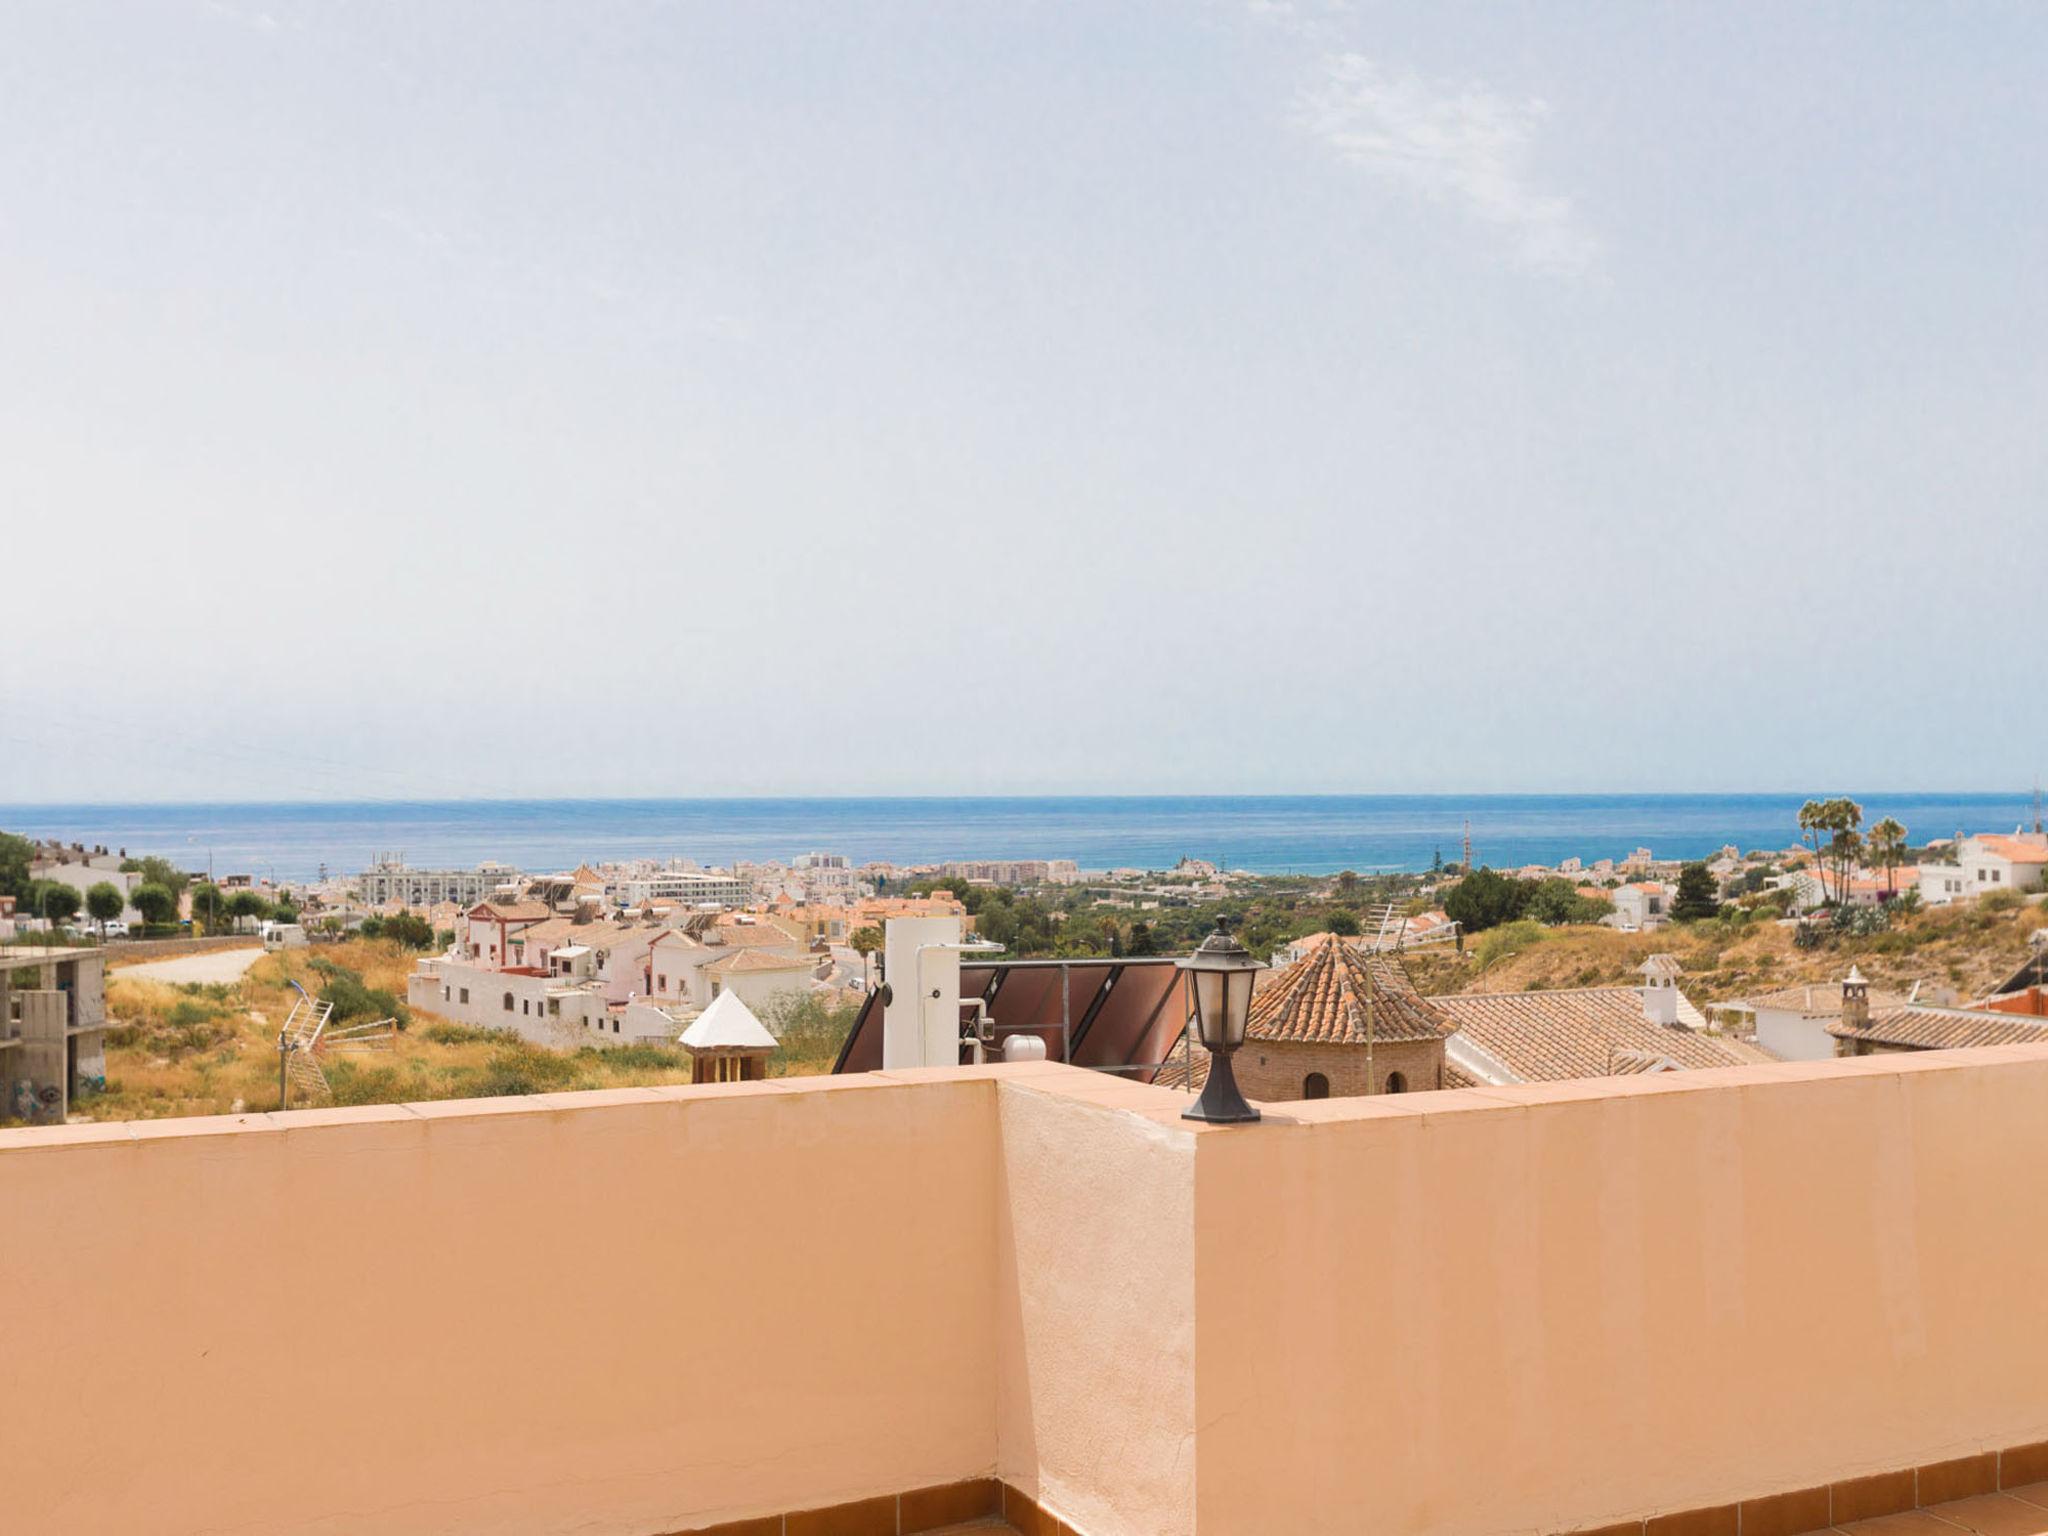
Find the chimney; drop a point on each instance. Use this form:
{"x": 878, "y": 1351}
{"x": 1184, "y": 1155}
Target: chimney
{"x": 1660, "y": 990}
{"x": 1855, "y": 1000}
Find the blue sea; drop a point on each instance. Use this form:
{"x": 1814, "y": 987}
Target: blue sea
{"x": 1314, "y": 834}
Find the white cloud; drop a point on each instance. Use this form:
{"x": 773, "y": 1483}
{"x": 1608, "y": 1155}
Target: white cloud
{"x": 1463, "y": 144}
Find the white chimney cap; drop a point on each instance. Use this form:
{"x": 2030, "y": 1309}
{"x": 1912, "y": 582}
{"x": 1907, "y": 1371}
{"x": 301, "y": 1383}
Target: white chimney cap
{"x": 1854, "y": 978}
{"x": 727, "y": 1023}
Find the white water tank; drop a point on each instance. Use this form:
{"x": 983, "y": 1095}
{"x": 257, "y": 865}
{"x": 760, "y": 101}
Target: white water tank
{"x": 921, "y": 1021}
{"x": 1024, "y": 1048}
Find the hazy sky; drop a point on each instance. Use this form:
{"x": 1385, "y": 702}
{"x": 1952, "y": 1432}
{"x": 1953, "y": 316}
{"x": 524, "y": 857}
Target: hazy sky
{"x": 590, "y": 398}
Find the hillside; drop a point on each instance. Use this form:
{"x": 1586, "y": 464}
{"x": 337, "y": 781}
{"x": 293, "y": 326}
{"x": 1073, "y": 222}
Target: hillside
{"x": 1968, "y": 949}
{"x": 212, "y": 1049}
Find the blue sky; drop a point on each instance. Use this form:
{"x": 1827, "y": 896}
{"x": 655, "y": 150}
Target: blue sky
{"x": 671, "y": 399}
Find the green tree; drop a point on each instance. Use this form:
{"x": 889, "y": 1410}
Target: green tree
{"x": 247, "y": 904}
{"x": 16, "y": 854}
{"x": 1347, "y": 884}
{"x": 1888, "y": 847}
{"x": 865, "y": 940}
{"x": 1141, "y": 941}
{"x": 1697, "y": 896}
{"x": 1557, "y": 901}
{"x": 157, "y": 903}
{"x": 156, "y": 871}
{"x": 1485, "y": 899}
{"x": 1829, "y": 828}
{"x": 54, "y": 900}
{"x": 209, "y": 906}
{"x": 104, "y": 902}
{"x": 409, "y": 929}
{"x": 1342, "y": 921}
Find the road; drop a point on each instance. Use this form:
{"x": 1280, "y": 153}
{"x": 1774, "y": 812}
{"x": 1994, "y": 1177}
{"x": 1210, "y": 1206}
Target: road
{"x": 208, "y": 965}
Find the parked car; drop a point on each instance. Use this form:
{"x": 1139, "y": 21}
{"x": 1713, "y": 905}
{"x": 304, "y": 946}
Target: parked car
{"x": 114, "y": 930}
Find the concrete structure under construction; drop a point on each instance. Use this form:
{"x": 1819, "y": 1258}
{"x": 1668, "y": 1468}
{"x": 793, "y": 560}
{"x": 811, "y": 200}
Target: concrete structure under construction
{"x": 53, "y": 1027}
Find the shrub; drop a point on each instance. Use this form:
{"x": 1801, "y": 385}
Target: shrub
{"x": 1500, "y": 943}
{"x": 2003, "y": 900}
{"x": 628, "y": 1057}
{"x": 351, "y": 1083}
{"x": 459, "y": 1034}
{"x": 517, "y": 1069}
{"x": 352, "y": 1000}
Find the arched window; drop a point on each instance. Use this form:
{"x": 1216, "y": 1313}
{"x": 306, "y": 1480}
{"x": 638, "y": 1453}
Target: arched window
{"x": 1315, "y": 1086}
{"x": 1397, "y": 1082}
{"x": 508, "y": 1002}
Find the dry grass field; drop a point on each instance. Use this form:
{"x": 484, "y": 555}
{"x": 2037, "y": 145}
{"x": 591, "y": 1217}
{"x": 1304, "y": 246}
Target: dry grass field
{"x": 212, "y": 1049}
{"x": 1968, "y": 949}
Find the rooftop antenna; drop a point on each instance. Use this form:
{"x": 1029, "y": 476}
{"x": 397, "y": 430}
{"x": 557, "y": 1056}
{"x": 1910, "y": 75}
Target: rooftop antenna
{"x": 1468, "y": 845}
{"x": 2037, "y": 805}
{"x": 1390, "y": 938}
{"x": 305, "y": 1038}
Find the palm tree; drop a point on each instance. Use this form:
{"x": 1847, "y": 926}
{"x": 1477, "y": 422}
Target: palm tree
{"x": 1814, "y": 819}
{"x": 1888, "y": 842}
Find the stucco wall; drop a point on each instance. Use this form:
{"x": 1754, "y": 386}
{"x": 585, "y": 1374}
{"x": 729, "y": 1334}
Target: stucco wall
{"x": 1500, "y": 1310}
{"x": 407, "y": 1320}
{"x": 1095, "y": 1315}
{"x": 1559, "y": 1305}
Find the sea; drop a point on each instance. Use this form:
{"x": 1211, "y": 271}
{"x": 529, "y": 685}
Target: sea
{"x": 1266, "y": 834}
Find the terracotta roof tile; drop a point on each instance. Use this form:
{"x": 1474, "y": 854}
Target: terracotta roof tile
{"x": 1323, "y": 998}
{"x": 1924, "y": 1028}
{"x": 1587, "y": 1032}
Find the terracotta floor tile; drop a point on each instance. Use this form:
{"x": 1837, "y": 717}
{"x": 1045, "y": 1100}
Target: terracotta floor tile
{"x": 1994, "y": 1514}
{"x": 1916, "y": 1523}
{"x": 2033, "y": 1493}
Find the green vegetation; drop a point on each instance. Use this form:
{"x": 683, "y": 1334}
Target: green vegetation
{"x": 16, "y": 854}
{"x": 406, "y": 928}
{"x": 1698, "y": 897}
{"x": 51, "y": 899}
{"x": 158, "y": 904}
{"x": 1829, "y": 828}
{"x": 155, "y": 871}
{"x": 104, "y": 902}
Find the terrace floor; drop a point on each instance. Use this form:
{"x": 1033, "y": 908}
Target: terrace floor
{"x": 2016, "y": 1512}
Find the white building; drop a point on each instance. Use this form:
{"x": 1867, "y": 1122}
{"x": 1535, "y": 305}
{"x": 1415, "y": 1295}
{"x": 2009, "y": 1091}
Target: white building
{"x": 1641, "y": 905}
{"x": 1989, "y": 861}
{"x": 2002, "y": 861}
{"x": 691, "y": 887}
{"x": 391, "y": 880}
{"x": 83, "y": 871}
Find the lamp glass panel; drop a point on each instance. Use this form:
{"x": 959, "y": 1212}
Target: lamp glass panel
{"x": 1209, "y": 1007}
{"x": 1240, "y": 1003}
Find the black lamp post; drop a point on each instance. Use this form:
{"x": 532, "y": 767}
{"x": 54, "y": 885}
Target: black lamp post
{"x": 1222, "y": 971}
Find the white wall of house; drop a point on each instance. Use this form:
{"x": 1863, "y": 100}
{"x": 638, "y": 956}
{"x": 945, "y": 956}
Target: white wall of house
{"x": 536, "y": 1008}
{"x": 1794, "y": 1035}
{"x": 1941, "y": 884}
{"x": 82, "y": 877}
{"x": 1635, "y": 907}
{"x": 763, "y": 991}
{"x": 1984, "y": 870}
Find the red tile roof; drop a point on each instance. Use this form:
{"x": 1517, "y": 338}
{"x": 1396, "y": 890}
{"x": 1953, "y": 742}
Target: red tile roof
{"x": 1587, "y": 1032}
{"x": 1328, "y": 995}
{"x": 1923, "y": 1028}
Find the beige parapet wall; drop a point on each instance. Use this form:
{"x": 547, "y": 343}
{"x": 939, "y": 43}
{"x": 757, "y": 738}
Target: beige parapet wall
{"x": 650, "y": 1310}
